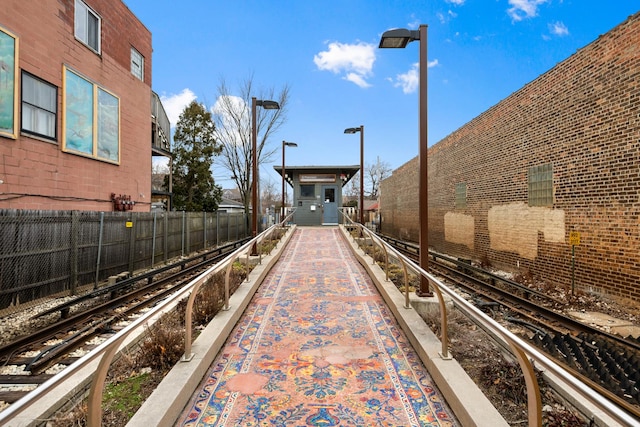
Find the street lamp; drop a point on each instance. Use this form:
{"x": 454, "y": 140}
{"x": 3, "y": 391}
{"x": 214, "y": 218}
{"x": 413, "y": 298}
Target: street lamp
{"x": 284, "y": 144}
{"x": 267, "y": 105}
{"x": 399, "y": 38}
{"x": 361, "y": 204}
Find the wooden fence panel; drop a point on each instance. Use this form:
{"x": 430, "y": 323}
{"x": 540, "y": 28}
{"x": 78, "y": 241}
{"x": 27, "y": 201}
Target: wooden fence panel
{"x": 44, "y": 253}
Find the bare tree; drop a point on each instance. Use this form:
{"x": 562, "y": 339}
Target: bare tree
{"x": 232, "y": 116}
{"x": 158, "y": 172}
{"x": 269, "y": 195}
{"x": 352, "y": 189}
{"x": 375, "y": 173}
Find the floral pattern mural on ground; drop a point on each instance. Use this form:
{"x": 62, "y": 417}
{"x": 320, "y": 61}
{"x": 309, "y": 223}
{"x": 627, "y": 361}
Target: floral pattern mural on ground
{"x": 317, "y": 347}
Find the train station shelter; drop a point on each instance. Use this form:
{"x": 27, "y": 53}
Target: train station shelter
{"x": 317, "y": 192}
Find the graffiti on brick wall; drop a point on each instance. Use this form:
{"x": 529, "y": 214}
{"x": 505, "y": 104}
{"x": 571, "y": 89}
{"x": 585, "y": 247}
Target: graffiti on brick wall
{"x": 514, "y": 227}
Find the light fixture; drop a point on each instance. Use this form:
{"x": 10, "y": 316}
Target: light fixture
{"x": 398, "y": 38}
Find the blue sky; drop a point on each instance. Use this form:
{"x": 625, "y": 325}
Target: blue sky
{"x": 479, "y": 52}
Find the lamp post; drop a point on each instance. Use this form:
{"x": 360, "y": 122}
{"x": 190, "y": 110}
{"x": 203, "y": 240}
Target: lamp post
{"x": 267, "y": 105}
{"x": 361, "y": 203}
{"x": 399, "y": 38}
{"x": 284, "y": 199}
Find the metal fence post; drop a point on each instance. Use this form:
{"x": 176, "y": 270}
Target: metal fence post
{"x": 75, "y": 226}
{"x": 166, "y": 236}
{"x": 183, "y": 230}
{"x": 99, "y": 250}
{"x": 204, "y": 229}
{"x": 217, "y": 228}
{"x": 153, "y": 240}
{"x": 132, "y": 244}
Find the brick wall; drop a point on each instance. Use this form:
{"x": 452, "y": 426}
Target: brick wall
{"x": 583, "y": 118}
{"x": 36, "y": 173}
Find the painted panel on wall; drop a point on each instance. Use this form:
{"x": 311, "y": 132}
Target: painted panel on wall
{"x": 514, "y": 227}
{"x": 8, "y": 84}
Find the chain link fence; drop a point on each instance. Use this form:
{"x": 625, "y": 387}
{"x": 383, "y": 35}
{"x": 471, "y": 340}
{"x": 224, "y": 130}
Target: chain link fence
{"x": 45, "y": 253}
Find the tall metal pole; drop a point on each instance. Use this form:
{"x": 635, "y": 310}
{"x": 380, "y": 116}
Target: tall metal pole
{"x": 362, "y": 174}
{"x": 254, "y": 171}
{"x": 283, "y": 198}
{"x": 423, "y": 149}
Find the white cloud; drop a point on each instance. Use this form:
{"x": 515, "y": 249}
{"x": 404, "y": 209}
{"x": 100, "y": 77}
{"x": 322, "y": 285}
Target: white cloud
{"x": 354, "y": 61}
{"x": 357, "y": 79}
{"x": 558, "y": 29}
{"x": 456, "y": 2}
{"x": 523, "y": 9}
{"x": 174, "y": 104}
{"x": 446, "y": 18}
{"x": 410, "y": 80}
{"x": 227, "y": 111}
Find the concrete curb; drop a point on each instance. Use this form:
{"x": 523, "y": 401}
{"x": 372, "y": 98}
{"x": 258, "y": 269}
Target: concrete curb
{"x": 171, "y": 396}
{"x": 470, "y": 405}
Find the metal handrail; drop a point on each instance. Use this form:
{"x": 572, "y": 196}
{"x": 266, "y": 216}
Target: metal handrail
{"x": 523, "y": 351}
{"x": 104, "y": 353}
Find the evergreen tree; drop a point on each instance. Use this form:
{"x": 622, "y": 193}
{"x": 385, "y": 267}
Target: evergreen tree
{"x": 195, "y": 146}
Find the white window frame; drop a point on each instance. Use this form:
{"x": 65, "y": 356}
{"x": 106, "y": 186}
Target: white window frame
{"x": 82, "y": 20}
{"x": 35, "y": 112}
{"x": 137, "y": 64}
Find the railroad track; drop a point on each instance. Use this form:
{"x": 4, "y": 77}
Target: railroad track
{"x": 87, "y": 319}
{"x": 609, "y": 363}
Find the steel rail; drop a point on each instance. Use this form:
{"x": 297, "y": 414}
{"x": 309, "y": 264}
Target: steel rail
{"x": 46, "y": 332}
{"x": 103, "y": 354}
{"x": 524, "y": 353}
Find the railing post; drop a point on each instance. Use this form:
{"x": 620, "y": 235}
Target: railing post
{"x": 406, "y": 284}
{"x": 534, "y": 401}
{"x": 227, "y": 279}
{"x": 94, "y": 415}
{"x": 444, "y": 327}
{"x": 248, "y": 253}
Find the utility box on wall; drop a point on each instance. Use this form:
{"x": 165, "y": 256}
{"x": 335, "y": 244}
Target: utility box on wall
{"x": 317, "y": 192}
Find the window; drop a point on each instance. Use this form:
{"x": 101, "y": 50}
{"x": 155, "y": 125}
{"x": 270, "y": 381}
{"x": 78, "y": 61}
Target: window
{"x": 87, "y": 26}
{"x": 137, "y": 64}
{"x": 541, "y": 185}
{"x": 91, "y": 119}
{"x": 39, "y": 107}
{"x": 329, "y": 195}
{"x": 8, "y": 84}
{"x": 461, "y": 195}
{"x": 307, "y": 191}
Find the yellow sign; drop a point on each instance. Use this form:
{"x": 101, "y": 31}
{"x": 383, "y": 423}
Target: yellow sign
{"x": 129, "y": 224}
{"x": 574, "y": 238}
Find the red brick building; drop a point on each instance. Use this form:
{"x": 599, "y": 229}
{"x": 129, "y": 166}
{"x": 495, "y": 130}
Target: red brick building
{"x": 556, "y": 161}
{"x": 75, "y": 105}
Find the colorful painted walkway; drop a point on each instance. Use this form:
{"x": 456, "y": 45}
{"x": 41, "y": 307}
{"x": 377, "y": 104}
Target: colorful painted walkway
{"x": 317, "y": 346}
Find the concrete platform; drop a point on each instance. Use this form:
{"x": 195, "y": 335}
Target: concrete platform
{"x": 318, "y": 345}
